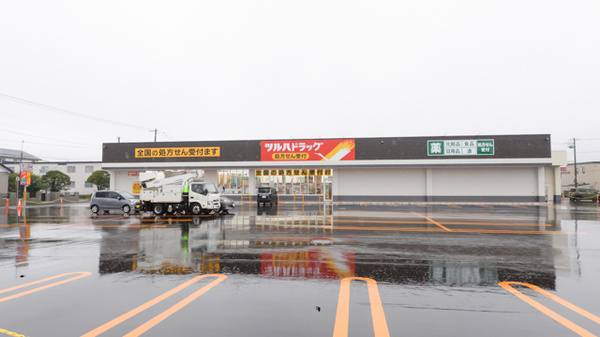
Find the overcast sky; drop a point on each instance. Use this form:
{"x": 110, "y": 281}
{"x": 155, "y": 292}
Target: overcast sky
{"x": 230, "y": 70}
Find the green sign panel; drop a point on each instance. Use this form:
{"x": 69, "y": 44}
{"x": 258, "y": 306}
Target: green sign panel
{"x": 462, "y": 147}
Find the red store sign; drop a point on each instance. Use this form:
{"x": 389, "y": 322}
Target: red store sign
{"x": 308, "y": 150}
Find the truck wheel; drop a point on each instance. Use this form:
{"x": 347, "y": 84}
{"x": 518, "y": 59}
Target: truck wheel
{"x": 195, "y": 209}
{"x": 95, "y": 209}
{"x": 126, "y": 208}
{"x": 158, "y": 209}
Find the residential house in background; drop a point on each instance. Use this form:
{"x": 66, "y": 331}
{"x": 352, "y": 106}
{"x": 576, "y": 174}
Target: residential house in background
{"x": 4, "y": 172}
{"x": 588, "y": 176}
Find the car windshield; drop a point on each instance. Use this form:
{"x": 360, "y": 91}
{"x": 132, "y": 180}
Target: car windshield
{"x": 264, "y": 190}
{"x": 127, "y": 195}
{"x": 210, "y": 188}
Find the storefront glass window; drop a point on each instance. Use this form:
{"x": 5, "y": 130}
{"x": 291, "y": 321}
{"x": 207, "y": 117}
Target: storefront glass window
{"x": 296, "y": 181}
{"x": 234, "y": 181}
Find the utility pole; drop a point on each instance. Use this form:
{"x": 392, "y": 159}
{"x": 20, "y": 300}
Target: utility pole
{"x": 155, "y": 132}
{"x": 575, "y": 159}
{"x": 20, "y": 169}
{"x": 574, "y": 147}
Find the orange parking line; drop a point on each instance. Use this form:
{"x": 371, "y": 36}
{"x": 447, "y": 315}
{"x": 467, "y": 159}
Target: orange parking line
{"x": 504, "y": 231}
{"x": 437, "y": 223}
{"x": 342, "y": 316}
{"x": 381, "y": 221}
{"x": 162, "y": 316}
{"x": 400, "y": 229}
{"x": 495, "y": 224}
{"x": 82, "y": 274}
{"x": 440, "y": 230}
{"x": 560, "y": 319}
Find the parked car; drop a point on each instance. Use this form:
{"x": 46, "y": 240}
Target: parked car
{"x": 226, "y": 204}
{"x": 579, "y": 194}
{"x": 107, "y": 200}
{"x": 267, "y": 194}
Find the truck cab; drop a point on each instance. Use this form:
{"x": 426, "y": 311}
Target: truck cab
{"x": 203, "y": 198}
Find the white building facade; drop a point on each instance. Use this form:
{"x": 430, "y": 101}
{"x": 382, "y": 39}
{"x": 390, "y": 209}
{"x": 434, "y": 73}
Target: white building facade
{"x": 78, "y": 172}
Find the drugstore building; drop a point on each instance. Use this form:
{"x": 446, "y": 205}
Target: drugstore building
{"x": 493, "y": 168}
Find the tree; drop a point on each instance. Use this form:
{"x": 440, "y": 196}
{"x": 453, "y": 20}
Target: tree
{"x": 13, "y": 180}
{"x": 56, "y": 180}
{"x": 100, "y": 178}
{"x": 36, "y": 185}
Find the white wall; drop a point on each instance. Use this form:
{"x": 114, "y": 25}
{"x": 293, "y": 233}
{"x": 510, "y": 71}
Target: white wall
{"x": 485, "y": 181}
{"x": 379, "y": 181}
{"x": 3, "y": 182}
{"x": 457, "y": 183}
{"x": 123, "y": 180}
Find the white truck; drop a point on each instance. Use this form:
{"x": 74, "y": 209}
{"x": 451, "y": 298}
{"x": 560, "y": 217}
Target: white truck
{"x": 161, "y": 194}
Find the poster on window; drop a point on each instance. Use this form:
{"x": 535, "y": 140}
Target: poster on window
{"x": 308, "y": 150}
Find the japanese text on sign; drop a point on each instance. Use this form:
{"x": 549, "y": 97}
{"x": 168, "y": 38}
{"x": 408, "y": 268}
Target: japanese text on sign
{"x": 308, "y": 150}
{"x": 463, "y": 147}
{"x": 25, "y": 178}
{"x": 293, "y": 172}
{"x": 172, "y": 152}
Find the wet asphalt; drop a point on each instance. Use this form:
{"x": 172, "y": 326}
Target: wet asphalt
{"x": 356, "y": 269}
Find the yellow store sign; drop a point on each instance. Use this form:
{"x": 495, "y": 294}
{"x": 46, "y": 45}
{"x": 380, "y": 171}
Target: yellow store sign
{"x": 176, "y": 152}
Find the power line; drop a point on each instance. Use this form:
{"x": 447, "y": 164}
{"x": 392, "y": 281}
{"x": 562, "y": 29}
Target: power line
{"x": 67, "y": 112}
{"x": 54, "y": 145}
{"x": 40, "y": 137}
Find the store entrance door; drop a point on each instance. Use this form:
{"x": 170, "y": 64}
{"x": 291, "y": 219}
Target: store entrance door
{"x": 327, "y": 188}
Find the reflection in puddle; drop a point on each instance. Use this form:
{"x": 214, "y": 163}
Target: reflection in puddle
{"x": 303, "y": 243}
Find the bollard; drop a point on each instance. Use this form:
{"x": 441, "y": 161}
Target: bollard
{"x": 6, "y": 203}
{"x": 19, "y": 208}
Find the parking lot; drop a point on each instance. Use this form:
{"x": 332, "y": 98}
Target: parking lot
{"x": 303, "y": 269}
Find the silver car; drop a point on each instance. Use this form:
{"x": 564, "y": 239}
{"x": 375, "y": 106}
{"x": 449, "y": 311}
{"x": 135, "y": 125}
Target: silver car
{"x": 106, "y": 200}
